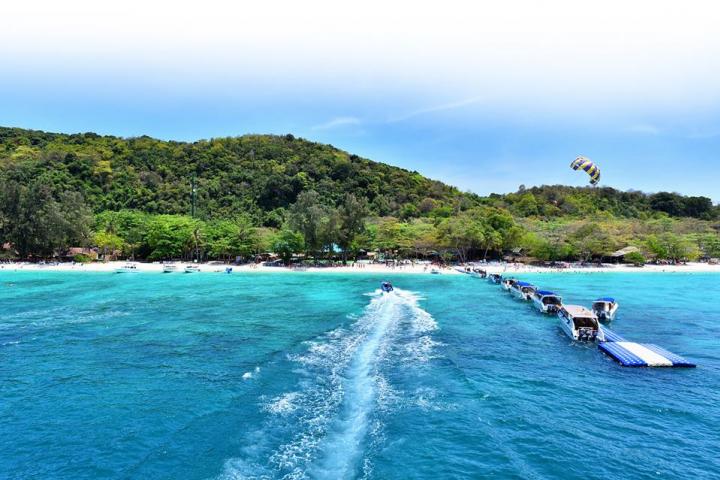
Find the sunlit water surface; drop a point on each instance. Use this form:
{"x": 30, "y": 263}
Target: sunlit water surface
{"x": 213, "y": 376}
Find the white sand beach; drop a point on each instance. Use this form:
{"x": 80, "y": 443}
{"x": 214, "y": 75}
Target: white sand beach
{"x": 366, "y": 268}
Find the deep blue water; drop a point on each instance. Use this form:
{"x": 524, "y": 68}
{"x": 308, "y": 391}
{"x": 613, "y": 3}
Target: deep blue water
{"x": 213, "y": 376}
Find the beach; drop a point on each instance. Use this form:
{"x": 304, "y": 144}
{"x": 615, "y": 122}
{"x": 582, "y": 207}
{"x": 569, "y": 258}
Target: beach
{"x": 365, "y": 268}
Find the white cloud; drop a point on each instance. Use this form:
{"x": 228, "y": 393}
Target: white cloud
{"x": 522, "y": 54}
{"x": 337, "y": 122}
{"x": 436, "y": 108}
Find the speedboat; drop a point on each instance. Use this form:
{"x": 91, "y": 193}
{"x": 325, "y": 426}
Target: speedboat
{"x": 523, "y": 290}
{"x": 546, "y": 301}
{"x": 386, "y": 287}
{"x": 495, "y": 278}
{"x": 192, "y": 269}
{"x": 169, "y": 268}
{"x": 580, "y": 324}
{"x": 605, "y": 308}
{"x": 508, "y": 283}
{"x": 127, "y": 268}
{"x": 480, "y": 273}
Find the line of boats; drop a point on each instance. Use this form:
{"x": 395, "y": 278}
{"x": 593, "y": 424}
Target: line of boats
{"x": 131, "y": 267}
{"x": 578, "y": 322}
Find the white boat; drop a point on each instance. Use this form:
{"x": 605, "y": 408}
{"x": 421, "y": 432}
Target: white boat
{"x": 523, "y": 290}
{"x": 579, "y": 323}
{"x": 546, "y": 301}
{"x": 129, "y": 267}
{"x": 508, "y": 283}
{"x": 169, "y": 268}
{"x": 479, "y": 273}
{"x": 495, "y": 278}
{"x": 192, "y": 269}
{"x": 605, "y": 308}
{"x": 435, "y": 271}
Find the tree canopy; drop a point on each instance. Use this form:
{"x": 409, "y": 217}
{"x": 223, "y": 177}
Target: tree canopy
{"x": 130, "y": 197}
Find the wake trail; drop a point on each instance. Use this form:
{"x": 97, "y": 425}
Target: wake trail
{"x": 332, "y": 418}
{"x": 343, "y": 446}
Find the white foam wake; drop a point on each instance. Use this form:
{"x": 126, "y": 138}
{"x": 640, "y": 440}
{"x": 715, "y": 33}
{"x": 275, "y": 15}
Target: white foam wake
{"x": 332, "y": 416}
{"x": 341, "y": 449}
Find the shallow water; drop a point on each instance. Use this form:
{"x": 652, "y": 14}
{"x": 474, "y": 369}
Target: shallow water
{"x": 214, "y": 376}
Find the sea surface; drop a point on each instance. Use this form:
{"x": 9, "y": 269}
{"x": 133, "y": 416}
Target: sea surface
{"x": 269, "y": 376}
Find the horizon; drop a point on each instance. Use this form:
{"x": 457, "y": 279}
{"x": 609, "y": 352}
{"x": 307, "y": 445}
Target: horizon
{"x": 485, "y": 98}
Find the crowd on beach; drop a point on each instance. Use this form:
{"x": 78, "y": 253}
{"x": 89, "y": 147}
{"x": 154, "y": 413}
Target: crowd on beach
{"x": 389, "y": 266}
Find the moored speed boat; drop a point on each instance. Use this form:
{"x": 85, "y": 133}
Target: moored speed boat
{"x": 546, "y": 301}
{"x": 129, "y": 267}
{"x": 523, "y": 290}
{"x": 495, "y": 278}
{"x": 192, "y": 269}
{"x": 580, "y": 324}
{"x": 169, "y": 268}
{"x": 605, "y": 308}
{"x": 479, "y": 273}
{"x": 508, "y": 283}
{"x": 386, "y": 287}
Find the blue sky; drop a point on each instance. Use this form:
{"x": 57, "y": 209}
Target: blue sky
{"x": 482, "y": 96}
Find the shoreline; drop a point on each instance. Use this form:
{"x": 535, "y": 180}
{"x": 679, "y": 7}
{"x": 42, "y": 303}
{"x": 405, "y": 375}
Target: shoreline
{"x": 504, "y": 269}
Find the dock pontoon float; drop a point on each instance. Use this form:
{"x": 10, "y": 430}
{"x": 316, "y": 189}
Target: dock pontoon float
{"x": 631, "y": 354}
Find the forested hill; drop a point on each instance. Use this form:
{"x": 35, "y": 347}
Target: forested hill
{"x": 268, "y": 193}
{"x": 260, "y": 175}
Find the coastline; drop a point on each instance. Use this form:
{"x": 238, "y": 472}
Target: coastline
{"x": 505, "y": 269}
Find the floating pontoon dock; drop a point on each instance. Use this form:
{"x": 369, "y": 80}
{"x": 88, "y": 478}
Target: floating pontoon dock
{"x": 631, "y": 354}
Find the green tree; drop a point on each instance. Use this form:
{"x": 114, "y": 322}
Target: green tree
{"x": 172, "y": 236}
{"x": 462, "y": 233}
{"x": 316, "y": 221}
{"x": 352, "y": 213}
{"x": 108, "y": 242}
{"x": 287, "y": 243}
{"x": 636, "y": 258}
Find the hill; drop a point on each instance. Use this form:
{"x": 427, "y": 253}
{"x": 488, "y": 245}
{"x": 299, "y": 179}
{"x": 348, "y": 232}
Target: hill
{"x": 261, "y": 175}
{"x": 286, "y": 194}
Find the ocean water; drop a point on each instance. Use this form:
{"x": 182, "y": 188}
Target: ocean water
{"x": 269, "y": 376}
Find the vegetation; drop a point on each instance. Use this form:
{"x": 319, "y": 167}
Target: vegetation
{"x": 130, "y": 198}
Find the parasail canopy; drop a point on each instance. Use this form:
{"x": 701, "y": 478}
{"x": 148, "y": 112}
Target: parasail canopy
{"x": 589, "y": 167}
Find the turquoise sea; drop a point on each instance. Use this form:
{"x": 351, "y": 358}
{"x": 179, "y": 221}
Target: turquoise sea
{"x": 268, "y": 376}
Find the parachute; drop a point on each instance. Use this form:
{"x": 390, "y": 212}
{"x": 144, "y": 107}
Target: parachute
{"x": 587, "y": 165}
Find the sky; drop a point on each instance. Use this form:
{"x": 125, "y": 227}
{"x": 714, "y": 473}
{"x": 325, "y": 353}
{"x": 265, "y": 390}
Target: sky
{"x": 482, "y": 95}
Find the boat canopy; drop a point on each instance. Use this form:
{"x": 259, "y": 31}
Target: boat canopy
{"x": 606, "y": 299}
{"x": 524, "y": 284}
{"x": 585, "y": 322}
{"x": 578, "y": 311}
{"x": 545, "y": 293}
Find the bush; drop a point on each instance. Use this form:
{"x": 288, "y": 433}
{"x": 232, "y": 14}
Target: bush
{"x": 82, "y": 258}
{"x": 636, "y": 258}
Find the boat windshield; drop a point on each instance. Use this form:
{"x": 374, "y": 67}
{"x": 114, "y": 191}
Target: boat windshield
{"x": 583, "y": 322}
